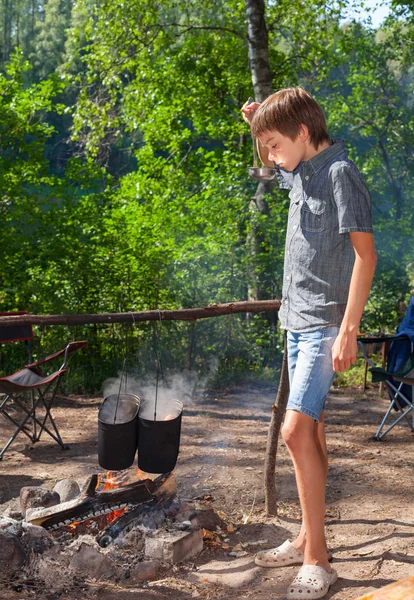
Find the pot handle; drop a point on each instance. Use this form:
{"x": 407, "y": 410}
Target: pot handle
{"x": 123, "y": 374}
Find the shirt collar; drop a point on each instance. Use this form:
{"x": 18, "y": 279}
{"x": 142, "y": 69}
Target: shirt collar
{"x": 316, "y": 163}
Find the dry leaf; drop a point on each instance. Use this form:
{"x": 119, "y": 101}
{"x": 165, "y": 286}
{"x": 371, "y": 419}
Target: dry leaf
{"x": 208, "y": 535}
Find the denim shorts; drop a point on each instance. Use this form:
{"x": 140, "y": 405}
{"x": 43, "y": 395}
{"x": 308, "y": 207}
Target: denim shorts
{"x": 311, "y": 372}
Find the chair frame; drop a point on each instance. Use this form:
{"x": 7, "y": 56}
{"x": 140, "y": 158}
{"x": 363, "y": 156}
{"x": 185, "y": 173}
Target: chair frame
{"x": 42, "y": 392}
{"x": 395, "y": 391}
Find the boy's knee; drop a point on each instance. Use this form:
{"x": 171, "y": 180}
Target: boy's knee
{"x": 297, "y": 434}
{"x": 291, "y": 435}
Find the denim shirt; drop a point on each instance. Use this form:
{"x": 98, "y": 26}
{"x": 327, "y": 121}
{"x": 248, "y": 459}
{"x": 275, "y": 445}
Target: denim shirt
{"x": 328, "y": 199}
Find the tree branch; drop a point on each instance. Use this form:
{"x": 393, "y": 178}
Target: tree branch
{"x": 183, "y": 314}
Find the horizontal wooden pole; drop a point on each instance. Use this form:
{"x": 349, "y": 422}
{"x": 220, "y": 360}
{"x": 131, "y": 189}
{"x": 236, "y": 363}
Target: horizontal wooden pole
{"x": 182, "y": 314}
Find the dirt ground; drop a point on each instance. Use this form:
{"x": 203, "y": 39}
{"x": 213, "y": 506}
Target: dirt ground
{"x": 369, "y": 515}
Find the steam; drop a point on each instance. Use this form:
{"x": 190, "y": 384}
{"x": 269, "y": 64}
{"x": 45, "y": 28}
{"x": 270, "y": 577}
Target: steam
{"x": 173, "y": 389}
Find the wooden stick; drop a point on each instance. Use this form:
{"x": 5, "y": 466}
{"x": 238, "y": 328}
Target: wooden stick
{"x": 278, "y": 413}
{"x": 181, "y": 314}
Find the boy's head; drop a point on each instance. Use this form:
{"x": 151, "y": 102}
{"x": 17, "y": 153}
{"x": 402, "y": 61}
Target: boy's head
{"x": 290, "y": 121}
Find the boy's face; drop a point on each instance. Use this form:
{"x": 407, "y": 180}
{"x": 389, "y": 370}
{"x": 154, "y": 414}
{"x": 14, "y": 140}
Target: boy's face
{"x": 285, "y": 152}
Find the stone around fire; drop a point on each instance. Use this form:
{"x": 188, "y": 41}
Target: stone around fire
{"x": 12, "y": 555}
{"x": 37, "y": 497}
{"x": 174, "y": 547}
{"x": 90, "y": 562}
{"x": 68, "y": 489}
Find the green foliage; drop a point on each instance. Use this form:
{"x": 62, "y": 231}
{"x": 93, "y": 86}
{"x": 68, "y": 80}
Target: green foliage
{"x": 123, "y": 169}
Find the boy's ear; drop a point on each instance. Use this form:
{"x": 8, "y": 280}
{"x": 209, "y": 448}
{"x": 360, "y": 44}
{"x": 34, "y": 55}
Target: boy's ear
{"x": 303, "y": 132}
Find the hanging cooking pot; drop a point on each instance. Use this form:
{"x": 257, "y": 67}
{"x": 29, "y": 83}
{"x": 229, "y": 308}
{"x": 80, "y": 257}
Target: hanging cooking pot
{"x": 159, "y": 429}
{"x": 118, "y": 430}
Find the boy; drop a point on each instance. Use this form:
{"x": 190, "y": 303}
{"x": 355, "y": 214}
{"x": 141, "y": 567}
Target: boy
{"x": 329, "y": 264}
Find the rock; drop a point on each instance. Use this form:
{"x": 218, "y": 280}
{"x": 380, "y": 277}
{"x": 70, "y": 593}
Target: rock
{"x": 14, "y": 514}
{"x": 144, "y": 571}
{"x": 174, "y": 546}
{"x": 91, "y": 563}
{"x": 37, "y": 497}
{"x": 134, "y": 540}
{"x": 235, "y": 573}
{"x": 185, "y": 507}
{"x": 35, "y": 531}
{"x": 185, "y": 516}
{"x": 206, "y": 519}
{"x": 36, "y": 539}
{"x": 68, "y": 489}
{"x": 13, "y": 510}
{"x": 12, "y": 555}
{"x": 9, "y": 525}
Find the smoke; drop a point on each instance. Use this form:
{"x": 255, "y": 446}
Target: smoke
{"x": 173, "y": 388}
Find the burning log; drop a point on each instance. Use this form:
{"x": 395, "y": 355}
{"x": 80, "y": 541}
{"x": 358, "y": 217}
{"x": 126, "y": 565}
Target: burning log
{"x": 163, "y": 496}
{"x": 94, "y": 503}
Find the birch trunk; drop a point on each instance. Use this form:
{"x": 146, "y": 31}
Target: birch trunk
{"x": 258, "y": 43}
{"x": 258, "y": 46}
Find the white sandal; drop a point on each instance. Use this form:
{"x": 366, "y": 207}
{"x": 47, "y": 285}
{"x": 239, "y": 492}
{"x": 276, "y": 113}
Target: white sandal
{"x": 282, "y": 556}
{"x": 311, "y": 582}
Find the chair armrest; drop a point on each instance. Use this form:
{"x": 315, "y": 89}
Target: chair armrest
{"x": 378, "y": 340}
{"x": 70, "y": 349}
{"x": 364, "y": 352}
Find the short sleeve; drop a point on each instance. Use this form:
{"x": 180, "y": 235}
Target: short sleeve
{"x": 352, "y": 199}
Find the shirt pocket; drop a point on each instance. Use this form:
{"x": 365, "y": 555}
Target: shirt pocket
{"x": 313, "y": 215}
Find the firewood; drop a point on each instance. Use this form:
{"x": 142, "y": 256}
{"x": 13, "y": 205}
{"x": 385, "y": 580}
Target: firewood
{"x": 400, "y": 590}
{"x": 93, "y": 503}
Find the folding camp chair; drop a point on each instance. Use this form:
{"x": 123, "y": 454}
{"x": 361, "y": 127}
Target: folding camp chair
{"x": 27, "y": 396}
{"x": 398, "y": 377}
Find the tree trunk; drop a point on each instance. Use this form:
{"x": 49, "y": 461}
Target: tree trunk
{"x": 258, "y": 43}
{"x": 258, "y": 49}
{"x": 258, "y": 46}
{"x": 278, "y": 412}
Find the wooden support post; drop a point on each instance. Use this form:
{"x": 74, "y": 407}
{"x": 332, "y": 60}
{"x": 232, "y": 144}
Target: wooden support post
{"x": 278, "y": 413}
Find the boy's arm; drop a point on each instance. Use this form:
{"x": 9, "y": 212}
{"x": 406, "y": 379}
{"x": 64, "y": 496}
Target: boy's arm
{"x": 345, "y": 347}
{"x": 248, "y": 109}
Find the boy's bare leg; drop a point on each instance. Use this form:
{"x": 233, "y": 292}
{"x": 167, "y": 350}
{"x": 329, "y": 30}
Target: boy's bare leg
{"x": 319, "y": 432}
{"x": 308, "y": 451}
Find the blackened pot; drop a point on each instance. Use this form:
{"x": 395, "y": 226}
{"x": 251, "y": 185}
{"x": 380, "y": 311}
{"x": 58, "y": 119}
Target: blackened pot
{"x": 159, "y": 439}
{"x": 118, "y": 431}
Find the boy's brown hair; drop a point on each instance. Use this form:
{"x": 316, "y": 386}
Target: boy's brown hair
{"x": 286, "y": 110}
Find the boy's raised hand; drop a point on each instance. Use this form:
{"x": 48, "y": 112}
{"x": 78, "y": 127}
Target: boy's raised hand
{"x": 248, "y": 110}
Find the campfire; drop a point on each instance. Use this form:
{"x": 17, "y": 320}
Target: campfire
{"x": 121, "y": 525}
{"x": 110, "y": 498}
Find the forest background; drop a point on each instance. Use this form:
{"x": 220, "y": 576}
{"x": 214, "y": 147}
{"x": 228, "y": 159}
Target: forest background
{"x": 123, "y": 169}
